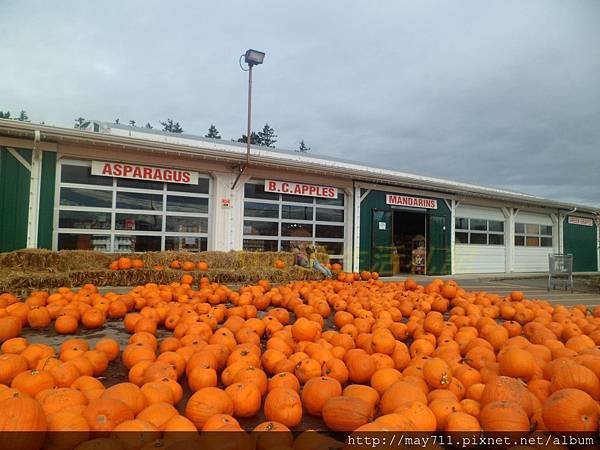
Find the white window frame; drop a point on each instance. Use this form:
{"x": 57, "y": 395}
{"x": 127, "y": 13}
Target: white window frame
{"x": 280, "y": 220}
{"x": 539, "y": 235}
{"x": 113, "y": 210}
{"x": 486, "y": 232}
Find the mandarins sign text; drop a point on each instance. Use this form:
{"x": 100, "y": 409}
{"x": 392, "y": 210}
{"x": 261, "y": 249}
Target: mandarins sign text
{"x": 414, "y": 202}
{"x": 124, "y": 170}
{"x": 308, "y": 190}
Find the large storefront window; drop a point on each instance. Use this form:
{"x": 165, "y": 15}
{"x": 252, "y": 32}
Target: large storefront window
{"x": 126, "y": 215}
{"x": 533, "y": 235}
{"x": 272, "y": 222}
{"x": 479, "y": 231}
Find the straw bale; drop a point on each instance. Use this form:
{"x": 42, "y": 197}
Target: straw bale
{"x": 66, "y": 260}
{"x": 14, "y": 281}
{"x": 26, "y": 270}
{"x": 30, "y": 259}
{"x": 84, "y": 260}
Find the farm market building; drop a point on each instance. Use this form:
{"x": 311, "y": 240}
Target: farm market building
{"x": 114, "y": 188}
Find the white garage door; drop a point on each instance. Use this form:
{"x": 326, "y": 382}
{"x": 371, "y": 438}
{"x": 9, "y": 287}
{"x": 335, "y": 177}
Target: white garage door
{"x": 534, "y": 240}
{"x": 480, "y": 245}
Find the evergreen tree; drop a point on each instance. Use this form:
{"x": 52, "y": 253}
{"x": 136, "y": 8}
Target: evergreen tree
{"x": 302, "y": 148}
{"x": 213, "y": 132}
{"x": 79, "y": 122}
{"x": 171, "y": 127}
{"x": 132, "y": 123}
{"x": 148, "y": 126}
{"x": 254, "y": 139}
{"x": 23, "y": 117}
{"x": 5, "y": 115}
{"x": 117, "y": 120}
{"x": 267, "y": 136}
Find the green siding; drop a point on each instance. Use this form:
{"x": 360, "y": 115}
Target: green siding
{"x": 581, "y": 241}
{"x": 46, "y": 212}
{"x": 438, "y": 258}
{"x": 14, "y": 200}
{"x": 438, "y": 243}
{"x": 382, "y": 242}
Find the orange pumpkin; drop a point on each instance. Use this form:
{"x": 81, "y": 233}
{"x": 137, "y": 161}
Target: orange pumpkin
{"x": 420, "y": 415}
{"x": 66, "y": 324}
{"x": 134, "y": 433}
{"x": 462, "y": 422}
{"x": 508, "y": 390}
{"x": 39, "y": 318}
{"x": 398, "y": 394}
{"x": 346, "y": 413}
{"x": 55, "y": 400}
{"x": 67, "y": 429}
{"x": 124, "y": 263}
{"x": 437, "y": 373}
{"x": 575, "y": 376}
{"x": 570, "y": 410}
{"x": 14, "y": 345}
{"x": 158, "y": 414}
{"x": 246, "y": 399}
{"x": 361, "y": 368}
{"x": 384, "y": 378}
{"x": 517, "y": 363}
{"x": 105, "y": 414}
{"x": 317, "y": 391}
{"x": 109, "y": 347}
{"x": 502, "y": 416}
{"x": 10, "y": 366}
{"x": 283, "y": 405}
{"x": 32, "y": 382}
{"x": 22, "y": 413}
{"x": 205, "y": 403}
{"x": 280, "y": 439}
{"x": 129, "y": 394}
{"x": 284, "y": 379}
{"x": 10, "y": 327}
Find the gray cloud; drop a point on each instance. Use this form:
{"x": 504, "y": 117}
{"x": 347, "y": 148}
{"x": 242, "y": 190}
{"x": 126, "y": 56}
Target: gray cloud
{"x": 502, "y": 93}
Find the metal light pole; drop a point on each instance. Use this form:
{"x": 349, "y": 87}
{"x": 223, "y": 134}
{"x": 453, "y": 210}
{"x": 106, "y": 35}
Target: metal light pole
{"x": 248, "y": 137}
{"x": 252, "y": 58}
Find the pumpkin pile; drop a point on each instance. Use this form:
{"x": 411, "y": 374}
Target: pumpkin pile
{"x": 357, "y": 353}
{"x": 186, "y": 265}
{"x": 125, "y": 263}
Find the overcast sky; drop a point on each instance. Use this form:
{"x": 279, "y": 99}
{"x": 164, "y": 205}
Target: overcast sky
{"x": 502, "y": 93}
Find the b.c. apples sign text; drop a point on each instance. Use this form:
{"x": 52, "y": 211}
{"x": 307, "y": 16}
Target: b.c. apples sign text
{"x": 308, "y": 190}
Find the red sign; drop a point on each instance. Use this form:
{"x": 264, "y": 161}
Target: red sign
{"x": 413, "y": 202}
{"x": 124, "y": 170}
{"x": 308, "y": 190}
{"x": 581, "y": 221}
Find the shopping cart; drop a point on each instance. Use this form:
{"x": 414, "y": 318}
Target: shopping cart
{"x": 560, "y": 269}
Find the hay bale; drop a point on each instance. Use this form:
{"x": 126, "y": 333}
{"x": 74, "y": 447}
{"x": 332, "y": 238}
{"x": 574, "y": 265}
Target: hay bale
{"x": 31, "y": 269}
{"x": 31, "y": 259}
{"x": 65, "y": 260}
{"x": 263, "y": 259}
{"x": 18, "y": 281}
{"x": 84, "y": 260}
{"x": 213, "y": 259}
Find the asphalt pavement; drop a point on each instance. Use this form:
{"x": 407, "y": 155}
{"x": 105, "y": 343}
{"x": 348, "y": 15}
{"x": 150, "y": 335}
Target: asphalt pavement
{"x": 534, "y": 287}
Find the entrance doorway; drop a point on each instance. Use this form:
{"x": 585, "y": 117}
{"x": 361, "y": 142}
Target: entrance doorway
{"x": 409, "y": 253}
{"x": 396, "y": 233}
